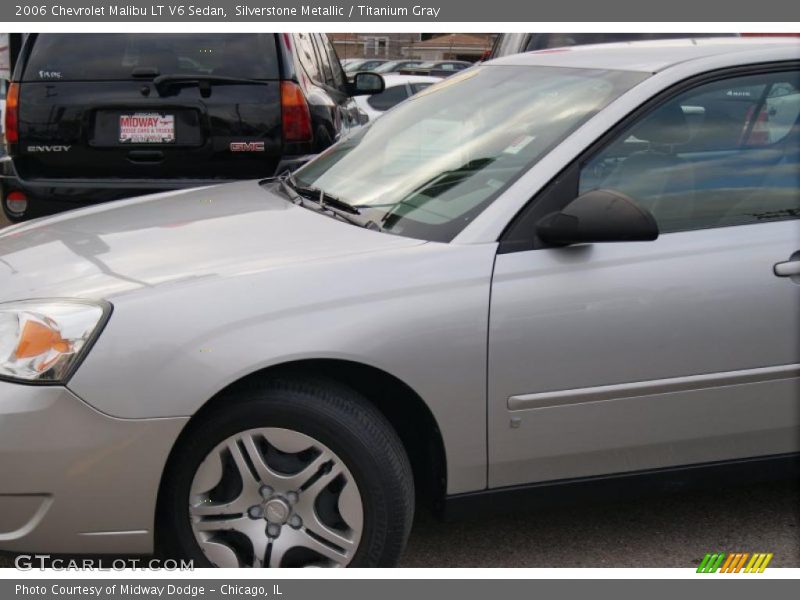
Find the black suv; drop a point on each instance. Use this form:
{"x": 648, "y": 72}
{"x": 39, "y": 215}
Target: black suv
{"x": 96, "y": 117}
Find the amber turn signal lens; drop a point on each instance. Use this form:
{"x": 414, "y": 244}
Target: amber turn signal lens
{"x": 38, "y": 339}
{"x": 45, "y": 340}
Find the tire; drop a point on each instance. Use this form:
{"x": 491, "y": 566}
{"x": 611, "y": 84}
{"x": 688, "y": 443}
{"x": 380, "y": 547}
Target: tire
{"x": 294, "y": 426}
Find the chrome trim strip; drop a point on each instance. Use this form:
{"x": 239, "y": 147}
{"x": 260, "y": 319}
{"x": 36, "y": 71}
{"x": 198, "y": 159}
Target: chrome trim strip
{"x": 652, "y": 387}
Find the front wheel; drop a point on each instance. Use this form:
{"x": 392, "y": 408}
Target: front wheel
{"x": 289, "y": 474}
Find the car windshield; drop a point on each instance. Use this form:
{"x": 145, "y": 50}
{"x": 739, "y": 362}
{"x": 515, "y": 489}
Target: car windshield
{"x": 433, "y": 163}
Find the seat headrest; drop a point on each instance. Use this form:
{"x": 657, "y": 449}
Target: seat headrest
{"x": 667, "y": 125}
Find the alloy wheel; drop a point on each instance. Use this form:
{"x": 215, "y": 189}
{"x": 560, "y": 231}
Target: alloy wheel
{"x": 274, "y": 497}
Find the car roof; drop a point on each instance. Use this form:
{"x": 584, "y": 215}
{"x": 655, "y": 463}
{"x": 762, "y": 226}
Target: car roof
{"x": 652, "y": 56}
{"x": 392, "y": 79}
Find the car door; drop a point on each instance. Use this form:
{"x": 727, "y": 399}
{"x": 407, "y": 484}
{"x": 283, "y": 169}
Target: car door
{"x": 612, "y": 358}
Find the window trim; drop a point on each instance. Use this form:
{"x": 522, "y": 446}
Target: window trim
{"x": 519, "y": 234}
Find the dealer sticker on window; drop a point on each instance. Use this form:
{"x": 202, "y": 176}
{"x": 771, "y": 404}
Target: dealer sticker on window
{"x": 519, "y": 143}
{"x": 147, "y": 128}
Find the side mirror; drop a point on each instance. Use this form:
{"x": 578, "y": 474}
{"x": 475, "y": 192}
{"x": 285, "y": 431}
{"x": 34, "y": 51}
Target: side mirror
{"x": 366, "y": 84}
{"x": 598, "y": 216}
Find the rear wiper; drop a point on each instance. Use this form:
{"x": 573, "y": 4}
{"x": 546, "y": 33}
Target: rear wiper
{"x": 164, "y": 84}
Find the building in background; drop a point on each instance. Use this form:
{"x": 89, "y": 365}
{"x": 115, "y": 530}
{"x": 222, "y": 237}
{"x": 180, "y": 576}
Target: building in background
{"x": 373, "y": 45}
{"x": 5, "y": 75}
{"x": 5, "y": 57}
{"x": 452, "y": 46}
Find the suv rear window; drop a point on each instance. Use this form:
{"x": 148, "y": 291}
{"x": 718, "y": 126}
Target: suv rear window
{"x": 115, "y": 56}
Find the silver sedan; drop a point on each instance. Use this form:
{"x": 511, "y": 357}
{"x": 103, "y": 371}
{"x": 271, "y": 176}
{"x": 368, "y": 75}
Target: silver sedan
{"x": 555, "y": 275}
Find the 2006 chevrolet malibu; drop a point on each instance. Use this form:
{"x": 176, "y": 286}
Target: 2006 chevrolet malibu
{"x": 550, "y": 275}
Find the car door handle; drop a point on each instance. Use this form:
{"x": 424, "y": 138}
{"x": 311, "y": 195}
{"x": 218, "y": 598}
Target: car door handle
{"x": 790, "y": 268}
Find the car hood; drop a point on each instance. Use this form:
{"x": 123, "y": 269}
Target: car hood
{"x": 164, "y": 239}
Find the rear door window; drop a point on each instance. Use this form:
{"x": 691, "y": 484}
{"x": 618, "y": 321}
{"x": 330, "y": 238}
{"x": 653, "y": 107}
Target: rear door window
{"x": 324, "y": 60}
{"x": 339, "y": 78}
{"x": 308, "y": 56}
{"x": 117, "y": 56}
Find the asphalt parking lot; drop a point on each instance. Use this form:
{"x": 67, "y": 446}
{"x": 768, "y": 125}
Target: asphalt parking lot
{"x": 667, "y": 531}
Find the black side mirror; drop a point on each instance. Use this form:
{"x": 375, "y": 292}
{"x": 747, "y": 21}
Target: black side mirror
{"x": 366, "y": 84}
{"x": 598, "y": 216}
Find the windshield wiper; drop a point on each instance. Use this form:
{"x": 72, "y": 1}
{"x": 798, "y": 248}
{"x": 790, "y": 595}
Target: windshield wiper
{"x": 321, "y": 197}
{"x": 325, "y": 201}
{"x": 166, "y": 83}
{"x": 290, "y": 191}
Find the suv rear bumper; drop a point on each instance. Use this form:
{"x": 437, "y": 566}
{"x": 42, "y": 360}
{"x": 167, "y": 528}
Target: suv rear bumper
{"x": 48, "y": 196}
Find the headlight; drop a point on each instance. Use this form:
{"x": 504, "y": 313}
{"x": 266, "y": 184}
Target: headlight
{"x": 43, "y": 341}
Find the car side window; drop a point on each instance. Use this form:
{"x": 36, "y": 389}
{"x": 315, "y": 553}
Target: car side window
{"x": 307, "y": 56}
{"x": 724, "y": 153}
{"x": 324, "y": 61}
{"x": 339, "y": 78}
{"x": 388, "y": 97}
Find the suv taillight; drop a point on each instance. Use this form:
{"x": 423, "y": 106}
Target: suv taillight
{"x": 295, "y": 113}
{"x": 12, "y": 114}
